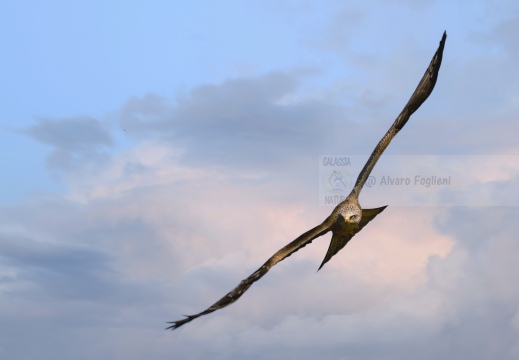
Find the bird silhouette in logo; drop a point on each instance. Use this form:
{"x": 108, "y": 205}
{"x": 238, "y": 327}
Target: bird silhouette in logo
{"x": 336, "y": 182}
{"x": 347, "y": 218}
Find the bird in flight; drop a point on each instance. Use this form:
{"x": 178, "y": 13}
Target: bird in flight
{"x": 348, "y": 218}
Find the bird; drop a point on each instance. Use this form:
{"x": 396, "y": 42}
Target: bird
{"x": 347, "y": 218}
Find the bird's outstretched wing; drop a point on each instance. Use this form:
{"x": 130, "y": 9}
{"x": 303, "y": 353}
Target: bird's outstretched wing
{"x": 283, "y": 253}
{"x": 340, "y": 240}
{"x": 421, "y": 93}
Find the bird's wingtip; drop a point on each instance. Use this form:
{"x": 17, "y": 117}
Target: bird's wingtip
{"x": 179, "y": 323}
{"x": 171, "y": 327}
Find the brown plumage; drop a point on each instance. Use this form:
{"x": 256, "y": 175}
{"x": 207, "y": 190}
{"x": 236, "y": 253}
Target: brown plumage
{"x": 347, "y": 219}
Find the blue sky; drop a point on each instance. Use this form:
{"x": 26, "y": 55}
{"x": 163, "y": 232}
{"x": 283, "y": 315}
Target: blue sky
{"x": 87, "y": 58}
{"x": 156, "y": 153}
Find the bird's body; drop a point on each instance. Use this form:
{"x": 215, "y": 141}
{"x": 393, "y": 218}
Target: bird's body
{"x": 348, "y": 218}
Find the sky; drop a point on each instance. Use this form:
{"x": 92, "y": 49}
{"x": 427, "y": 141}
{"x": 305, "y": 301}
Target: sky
{"x": 156, "y": 153}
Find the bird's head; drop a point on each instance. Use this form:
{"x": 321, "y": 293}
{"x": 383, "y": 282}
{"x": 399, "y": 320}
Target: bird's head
{"x": 351, "y": 213}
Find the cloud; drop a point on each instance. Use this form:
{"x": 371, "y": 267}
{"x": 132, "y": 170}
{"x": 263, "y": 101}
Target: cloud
{"x": 70, "y": 134}
{"x": 466, "y": 307}
{"x": 230, "y": 124}
{"x": 74, "y": 140}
